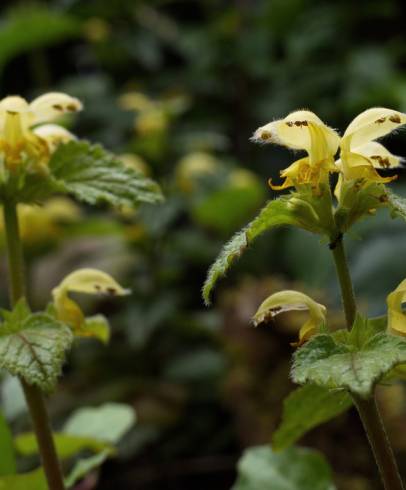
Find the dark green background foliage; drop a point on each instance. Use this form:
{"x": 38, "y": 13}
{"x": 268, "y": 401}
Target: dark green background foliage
{"x": 204, "y": 384}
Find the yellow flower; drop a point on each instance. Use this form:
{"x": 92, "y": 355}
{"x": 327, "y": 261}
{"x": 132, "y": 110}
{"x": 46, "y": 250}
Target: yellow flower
{"x": 396, "y": 316}
{"x": 360, "y": 154}
{"x": 290, "y": 301}
{"x": 19, "y": 136}
{"x": 90, "y": 281}
{"x": 303, "y": 130}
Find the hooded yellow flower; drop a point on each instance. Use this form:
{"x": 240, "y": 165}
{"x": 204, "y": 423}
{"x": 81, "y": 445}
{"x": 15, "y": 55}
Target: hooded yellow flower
{"x": 360, "y": 154}
{"x": 90, "y": 281}
{"x": 302, "y": 130}
{"x": 396, "y": 316}
{"x": 19, "y": 135}
{"x": 284, "y": 301}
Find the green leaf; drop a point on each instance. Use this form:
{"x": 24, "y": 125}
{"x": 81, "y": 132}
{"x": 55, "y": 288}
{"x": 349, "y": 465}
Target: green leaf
{"x": 275, "y": 213}
{"x": 293, "y": 469}
{"x": 306, "y": 408}
{"x": 397, "y": 205}
{"x": 326, "y": 362}
{"x": 94, "y": 175}
{"x": 95, "y": 327}
{"x": 23, "y": 30}
{"x": 108, "y": 423}
{"x": 34, "y": 347}
{"x": 364, "y": 329}
{"x": 66, "y": 445}
{"x": 85, "y": 466}
{"x": 7, "y": 458}
{"x": 34, "y": 480}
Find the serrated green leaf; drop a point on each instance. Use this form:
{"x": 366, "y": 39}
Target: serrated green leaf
{"x": 34, "y": 480}
{"x": 275, "y": 213}
{"x": 85, "y": 466}
{"x": 325, "y": 362}
{"x": 108, "y": 423}
{"x": 306, "y": 408}
{"x": 93, "y": 175}
{"x": 15, "y": 317}
{"x": 397, "y": 205}
{"x": 293, "y": 469}
{"x": 66, "y": 445}
{"x": 7, "y": 458}
{"x": 34, "y": 349}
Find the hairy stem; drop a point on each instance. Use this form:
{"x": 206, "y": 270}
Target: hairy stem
{"x": 33, "y": 395}
{"x": 367, "y": 409}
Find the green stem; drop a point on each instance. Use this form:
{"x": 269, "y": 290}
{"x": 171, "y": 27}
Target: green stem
{"x": 343, "y": 273}
{"x": 33, "y": 395}
{"x": 367, "y": 409}
{"x": 378, "y": 439}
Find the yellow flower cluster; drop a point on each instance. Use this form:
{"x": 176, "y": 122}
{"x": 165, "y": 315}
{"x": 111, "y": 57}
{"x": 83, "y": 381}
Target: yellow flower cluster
{"x": 360, "y": 154}
{"x": 23, "y": 134}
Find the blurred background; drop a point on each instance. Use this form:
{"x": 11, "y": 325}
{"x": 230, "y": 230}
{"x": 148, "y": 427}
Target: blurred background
{"x": 176, "y": 88}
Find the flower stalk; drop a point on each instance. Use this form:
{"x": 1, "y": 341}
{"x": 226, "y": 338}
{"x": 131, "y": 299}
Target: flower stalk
{"x": 367, "y": 408}
{"x": 33, "y": 395}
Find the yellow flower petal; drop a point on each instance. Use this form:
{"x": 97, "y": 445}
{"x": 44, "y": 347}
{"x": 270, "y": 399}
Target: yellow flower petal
{"x": 18, "y": 141}
{"x": 371, "y": 125}
{"x": 300, "y": 130}
{"x": 396, "y": 316}
{"x": 52, "y": 105}
{"x": 90, "y": 281}
{"x": 378, "y": 155}
{"x": 53, "y": 135}
{"x": 284, "y": 301}
{"x": 357, "y": 166}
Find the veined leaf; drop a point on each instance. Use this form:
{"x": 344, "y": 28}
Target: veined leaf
{"x": 33, "y": 346}
{"x": 306, "y": 408}
{"x": 275, "y": 213}
{"x": 293, "y": 469}
{"x": 325, "y": 362}
{"x": 93, "y": 175}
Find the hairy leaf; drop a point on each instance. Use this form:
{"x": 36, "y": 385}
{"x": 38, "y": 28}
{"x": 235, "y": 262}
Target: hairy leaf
{"x": 306, "y": 408}
{"x": 325, "y": 362}
{"x": 293, "y": 469}
{"x": 33, "y": 346}
{"x": 275, "y": 213}
{"x": 94, "y": 175}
